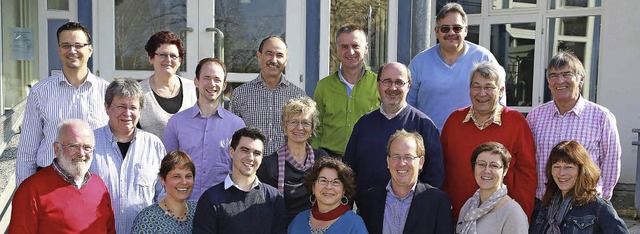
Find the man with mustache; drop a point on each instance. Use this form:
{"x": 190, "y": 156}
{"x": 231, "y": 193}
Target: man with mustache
{"x": 74, "y": 93}
{"x": 347, "y": 94}
{"x": 204, "y": 131}
{"x": 259, "y": 102}
{"x": 441, "y": 73}
{"x": 127, "y": 158}
{"x": 366, "y": 152}
{"x": 64, "y": 196}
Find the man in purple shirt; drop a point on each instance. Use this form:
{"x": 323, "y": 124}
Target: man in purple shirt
{"x": 204, "y": 131}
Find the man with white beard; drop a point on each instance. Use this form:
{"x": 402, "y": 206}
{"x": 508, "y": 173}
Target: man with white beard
{"x": 65, "y": 195}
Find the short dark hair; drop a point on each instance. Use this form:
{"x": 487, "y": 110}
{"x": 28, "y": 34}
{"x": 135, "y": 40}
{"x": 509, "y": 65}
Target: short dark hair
{"x": 73, "y": 26}
{"x": 250, "y": 132}
{"x": 347, "y": 28}
{"x": 269, "y": 37}
{"x": 493, "y": 148}
{"x": 451, "y": 7}
{"x": 164, "y": 37}
{"x": 211, "y": 60}
{"x": 345, "y": 174}
{"x": 568, "y": 59}
{"x": 124, "y": 87}
{"x": 405, "y": 67}
{"x": 176, "y": 159}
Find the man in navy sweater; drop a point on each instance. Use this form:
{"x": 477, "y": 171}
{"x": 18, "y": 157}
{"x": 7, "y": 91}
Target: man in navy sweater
{"x": 366, "y": 153}
{"x": 241, "y": 203}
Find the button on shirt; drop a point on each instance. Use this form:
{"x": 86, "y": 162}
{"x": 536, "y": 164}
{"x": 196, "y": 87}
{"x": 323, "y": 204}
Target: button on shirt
{"x": 396, "y": 210}
{"x": 261, "y": 107}
{"x": 206, "y": 140}
{"x": 50, "y": 102}
{"x": 592, "y": 125}
{"x": 133, "y": 181}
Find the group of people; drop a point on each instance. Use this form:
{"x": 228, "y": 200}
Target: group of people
{"x": 425, "y": 148}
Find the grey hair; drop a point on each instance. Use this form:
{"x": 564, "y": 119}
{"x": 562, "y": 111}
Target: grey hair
{"x": 489, "y": 70}
{"x": 569, "y": 59}
{"x": 451, "y": 7}
{"x": 124, "y": 87}
{"x": 67, "y": 123}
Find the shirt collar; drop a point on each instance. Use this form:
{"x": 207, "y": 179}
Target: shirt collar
{"x": 389, "y": 189}
{"x": 496, "y": 118}
{"x": 112, "y": 137}
{"x": 60, "y": 78}
{"x": 391, "y": 116}
{"x": 577, "y": 109}
{"x": 283, "y": 80}
{"x": 343, "y": 80}
{"x": 228, "y": 182}
{"x": 67, "y": 176}
{"x": 195, "y": 111}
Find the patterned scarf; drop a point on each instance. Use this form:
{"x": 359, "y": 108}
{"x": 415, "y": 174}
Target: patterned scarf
{"x": 557, "y": 211}
{"x": 285, "y": 154}
{"x": 468, "y": 224}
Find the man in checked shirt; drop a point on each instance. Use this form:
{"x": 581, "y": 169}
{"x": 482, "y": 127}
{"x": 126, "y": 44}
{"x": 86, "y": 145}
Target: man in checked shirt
{"x": 569, "y": 116}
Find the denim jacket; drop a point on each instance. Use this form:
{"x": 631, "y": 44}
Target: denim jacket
{"x": 594, "y": 217}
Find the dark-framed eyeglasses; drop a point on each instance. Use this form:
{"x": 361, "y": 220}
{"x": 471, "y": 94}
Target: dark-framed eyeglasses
{"x": 397, "y": 83}
{"x": 447, "y": 28}
{"x": 77, "y": 46}
{"x": 565, "y": 75}
{"x": 165, "y": 56}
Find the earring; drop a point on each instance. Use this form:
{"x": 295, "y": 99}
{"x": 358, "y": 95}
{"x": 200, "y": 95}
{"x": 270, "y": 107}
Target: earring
{"x": 344, "y": 200}
{"x": 312, "y": 198}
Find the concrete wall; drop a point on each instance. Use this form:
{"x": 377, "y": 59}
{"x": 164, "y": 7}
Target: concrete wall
{"x": 619, "y": 81}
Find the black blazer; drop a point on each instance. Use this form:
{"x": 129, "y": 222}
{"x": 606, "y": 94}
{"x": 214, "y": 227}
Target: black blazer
{"x": 430, "y": 210}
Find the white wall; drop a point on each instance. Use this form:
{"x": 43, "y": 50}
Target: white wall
{"x": 619, "y": 81}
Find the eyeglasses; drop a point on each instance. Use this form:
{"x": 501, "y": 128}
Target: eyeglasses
{"x": 482, "y": 165}
{"x": 295, "y": 123}
{"x": 77, "y": 46}
{"x": 323, "y": 182}
{"x": 447, "y": 28}
{"x": 487, "y": 89}
{"x": 397, "y": 83}
{"x": 565, "y": 75}
{"x": 73, "y": 147}
{"x": 406, "y": 158}
{"x": 165, "y": 56}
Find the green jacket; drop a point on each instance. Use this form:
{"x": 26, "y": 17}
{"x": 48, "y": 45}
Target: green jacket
{"x": 339, "y": 112}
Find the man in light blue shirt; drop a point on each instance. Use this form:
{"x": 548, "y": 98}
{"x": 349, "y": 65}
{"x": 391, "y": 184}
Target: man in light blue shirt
{"x": 441, "y": 73}
{"x": 204, "y": 131}
{"x": 128, "y": 159}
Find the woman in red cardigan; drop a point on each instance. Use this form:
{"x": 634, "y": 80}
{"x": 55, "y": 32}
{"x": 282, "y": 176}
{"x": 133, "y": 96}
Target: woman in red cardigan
{"x": 487, "y": 120}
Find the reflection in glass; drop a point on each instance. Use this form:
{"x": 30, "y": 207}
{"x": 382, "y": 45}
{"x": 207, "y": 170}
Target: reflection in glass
{"x": 473, "y": 35}
{"x": 62, "y": 5}
{"x": 372, "y": 15}
{"x": 511, "y": 4}
{"x": 469, "y": 6}
{"x": 581, "y": 35}
{"x": 20, "y": 50}
{"x": 564, "y": 4}
{"x": 513, "y": 47}
{"x": 136, "y": 21}
{"x": 245, "y": 24}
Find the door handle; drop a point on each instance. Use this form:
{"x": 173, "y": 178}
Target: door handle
{"x": 220, "y": 45}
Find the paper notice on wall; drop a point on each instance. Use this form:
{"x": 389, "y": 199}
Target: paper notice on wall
{"x": 22, "y": 44}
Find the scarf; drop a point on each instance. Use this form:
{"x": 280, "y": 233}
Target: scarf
{"x": 285, "y": 154}
{"x": 331, "y": 215}
{"x": 468, "y": 224}
{"x": 557, "y": 211}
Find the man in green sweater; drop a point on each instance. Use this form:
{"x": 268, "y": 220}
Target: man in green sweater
{"x": 347, "y": 94}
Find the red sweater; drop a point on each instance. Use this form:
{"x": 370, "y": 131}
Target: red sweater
{"x": 460, "y": 139}
{"x": 45, "y": 203}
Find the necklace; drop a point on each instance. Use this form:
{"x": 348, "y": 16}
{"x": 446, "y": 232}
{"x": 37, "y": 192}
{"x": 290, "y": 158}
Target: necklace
{"x": 170, "y": 213}
{"x": 172, "y": 90}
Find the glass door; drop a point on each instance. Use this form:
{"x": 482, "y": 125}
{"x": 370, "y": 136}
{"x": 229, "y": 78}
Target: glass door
{"x": 227, "y": 29}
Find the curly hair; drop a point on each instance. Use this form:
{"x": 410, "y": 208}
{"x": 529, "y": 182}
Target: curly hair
{"x": 584, "y": 189}
{"x": 300, "y": 106}
{"x": 164, "y": 37}
{"x": 345, "y": 174}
